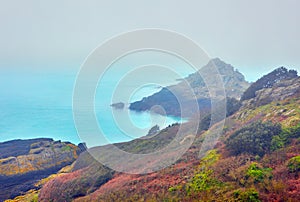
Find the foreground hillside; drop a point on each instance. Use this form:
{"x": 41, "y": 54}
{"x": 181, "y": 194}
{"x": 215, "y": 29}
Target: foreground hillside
{"x": 24, "y": 162}
{"x": 257, "y": 157}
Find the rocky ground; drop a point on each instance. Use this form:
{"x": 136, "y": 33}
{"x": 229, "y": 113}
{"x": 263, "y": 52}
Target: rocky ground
{"x": 24, "y": 162}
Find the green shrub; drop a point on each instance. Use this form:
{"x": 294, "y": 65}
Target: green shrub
{"x": 250, "y": 195}
{"x": 66, "y": 148}
{"x": 277, "y": 142}
{"x": 35, "y": 198}
{"x": 294, "y": 164}
{"x": 204, "y": 123}
{"x": 204, "y": 180}
{"x": 295, "y": 131}
{"x": 254, "y": 139}
{"x": 257, "y": 173}
{"x": 232, "y": 106}
{"x": 175, "y": 188}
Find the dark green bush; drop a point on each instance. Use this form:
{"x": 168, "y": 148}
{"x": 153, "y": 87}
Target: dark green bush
{"x": 205, "y": 123}
{"x": 254, "y": 139}
{"x": 279, "y": 141}
{"x": 232, "y": 106}
{"x": 294, "y": 132}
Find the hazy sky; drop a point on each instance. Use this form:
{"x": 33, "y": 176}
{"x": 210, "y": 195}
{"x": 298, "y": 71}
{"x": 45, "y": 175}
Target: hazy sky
{"x": 254, "y": 36}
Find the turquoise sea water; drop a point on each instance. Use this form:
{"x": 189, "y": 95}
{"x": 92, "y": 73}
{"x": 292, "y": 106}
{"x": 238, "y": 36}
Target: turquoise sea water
{"x": 39, "y": 104}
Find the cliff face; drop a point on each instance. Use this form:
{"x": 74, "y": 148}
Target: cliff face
{"x": 268, "y": 81}
{"x": 278, "y": 92}
{"x": 265, "y": 168}
{"x": 23, "y": 162}
{"x": 233, "y": 81}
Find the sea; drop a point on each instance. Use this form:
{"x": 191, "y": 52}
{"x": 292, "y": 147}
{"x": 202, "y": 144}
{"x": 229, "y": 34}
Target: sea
{"x": 38, "y": 103}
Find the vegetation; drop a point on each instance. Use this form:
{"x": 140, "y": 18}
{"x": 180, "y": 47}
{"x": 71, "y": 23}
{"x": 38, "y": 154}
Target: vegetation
{"x": 67, "y": 148}
{"x": 151, "y": 144}
{"x": 254, "y": 139}
{"x": 205, "y": 123}
{"x": 257, "y": 173}
{"x": 294, "y": 164}
{"x": 203, "y": 179}
{"x": 254, "y": 160}
{"x": 278, "y": 141}
{"x": 77, "y": 184}
{"x": 153, "y": 131}
{"x": 30, "y": 196}
{"x": 232, "y": 106}
{"x": 250, "y": 195}
{"x": 293, "y": 132}
{"x": 285, "y": 137}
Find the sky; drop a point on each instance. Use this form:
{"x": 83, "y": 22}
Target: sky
{"x": 254, "y": 36}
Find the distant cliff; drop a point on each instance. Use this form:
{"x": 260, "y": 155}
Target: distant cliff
{"x": 233, "y": 81}
{"x": 24, "y": 162}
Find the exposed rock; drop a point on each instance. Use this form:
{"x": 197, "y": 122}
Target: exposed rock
{"x": 233, "y": 81}
{"x": 268, "y": 81}
{"x": 19, "y": 147}
{"x": 119, "y": 105}
{"x": 278, "y": 92}
{"x": 30, "y": 161}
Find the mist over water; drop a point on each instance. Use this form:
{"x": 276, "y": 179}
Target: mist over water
{"x": 39, "y": 104}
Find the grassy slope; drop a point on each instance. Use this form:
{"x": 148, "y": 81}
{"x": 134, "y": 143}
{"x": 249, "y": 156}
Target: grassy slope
{"x": 219, "y": 176}
{"x": 228, "y": 176}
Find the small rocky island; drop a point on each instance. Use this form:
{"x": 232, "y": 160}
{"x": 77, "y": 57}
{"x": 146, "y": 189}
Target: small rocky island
{"x": 118, "y": 105}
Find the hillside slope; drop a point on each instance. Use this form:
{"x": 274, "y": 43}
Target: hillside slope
{"x": 257, "y": 158}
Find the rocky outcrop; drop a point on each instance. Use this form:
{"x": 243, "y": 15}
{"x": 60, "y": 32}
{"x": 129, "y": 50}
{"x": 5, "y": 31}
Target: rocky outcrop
{"x": 118, "y": 105}
{"x": 233, "y": 81}
{"x": 268, "y": 81}
{"x": 18, "y": 147}
{"x": 279, "y": 91}
{"x": 24, "y": 162}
